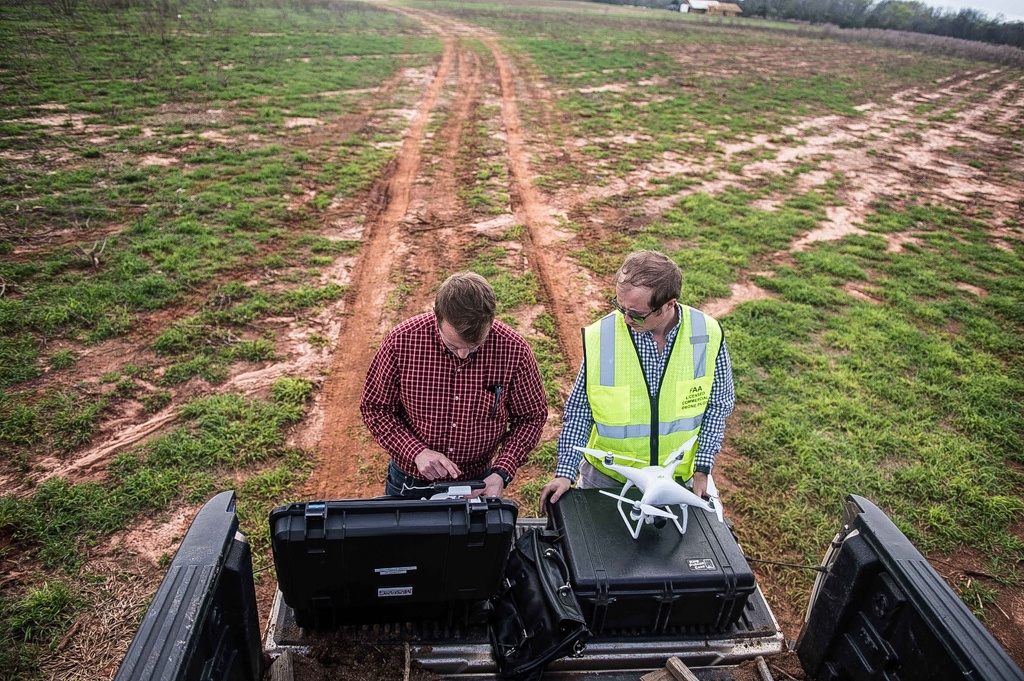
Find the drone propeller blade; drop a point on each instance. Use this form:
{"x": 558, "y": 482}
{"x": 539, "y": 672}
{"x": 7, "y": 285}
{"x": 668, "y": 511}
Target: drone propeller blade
{"x": 619, "y": 497}
{"x": 676, "y": 457}
{"x": 601, "y": 454}
{"x": 683, "y": 448}
{"x": 712, "y": 489}
{"x": 654, "y": 510}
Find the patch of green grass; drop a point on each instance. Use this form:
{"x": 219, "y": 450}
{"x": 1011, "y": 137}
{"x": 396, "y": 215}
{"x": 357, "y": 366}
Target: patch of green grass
{"x": 73, "y": 418}
{"x": 552, "y": 366}
{"x": 546, "y": 457}
{"x": 221, "y": 432}
{"x": 31, "y": 623}
{"x": 19, "y": 423}
{"x": 156, "y": 401}
{"x": 912, "y": 403}
{"x": 203, "y": 345}
{"x": 480, "y": 158}
{"x": 604, "y": 257}
{"x": 274, "y": 261}
{"x": 721, "y": 235}
{"x": 512, "y": 290}
{"x": 398, "y": 295}
{"x": 545, "y": 323}
{"x": 318, "y": 341}
{"x": 550, "y": 360}
{"x": 258, "y": 350}
{"x": 18, "y": 356}
{"x": 322, "y": 245}
{"x": 58, "y": 422}
{"x": 292, "y": 391}
{"x": 62, "y": 359}
{"x": 211, "y": 369}
{"x": 977, "y": 596}
{"x": 42, "y": 614}
{"x": 359, "y": 163}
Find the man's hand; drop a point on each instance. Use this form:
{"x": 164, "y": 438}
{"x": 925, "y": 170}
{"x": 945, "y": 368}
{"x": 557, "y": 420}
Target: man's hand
{"x": 493, "y": 487}
{"x": 435, "y": 466}
{"x": 700, "y": 484}
{"x": 552, "y": 492}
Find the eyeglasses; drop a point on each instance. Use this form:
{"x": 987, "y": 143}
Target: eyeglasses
{"x": 460, "y": 347}
{"x": 637, "y": 318}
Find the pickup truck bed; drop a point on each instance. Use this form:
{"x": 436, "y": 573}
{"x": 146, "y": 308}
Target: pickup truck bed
{"x": 878, "y": 611}
{"x": 464, "y": 652}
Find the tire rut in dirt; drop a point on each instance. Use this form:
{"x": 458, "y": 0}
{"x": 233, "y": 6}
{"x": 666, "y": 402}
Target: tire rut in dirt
{"x": 544, "y": 245}
{"x": 437, "y": 222}
{"x": 341, "y": 466}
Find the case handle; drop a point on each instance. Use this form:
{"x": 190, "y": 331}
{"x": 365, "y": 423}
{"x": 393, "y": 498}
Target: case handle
{"x": 316, "y": 526}
{"x": 557, "y": 558}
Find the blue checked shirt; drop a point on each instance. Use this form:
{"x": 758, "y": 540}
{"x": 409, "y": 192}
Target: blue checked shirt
{"x": 578, "y": 419}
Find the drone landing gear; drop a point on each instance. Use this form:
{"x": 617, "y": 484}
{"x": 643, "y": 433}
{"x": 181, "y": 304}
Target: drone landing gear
{"x": 638, "y": 515}
{"x": 686, "y": 517}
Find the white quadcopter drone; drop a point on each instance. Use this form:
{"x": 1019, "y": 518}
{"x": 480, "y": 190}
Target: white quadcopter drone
{"x": 658, "y": 490}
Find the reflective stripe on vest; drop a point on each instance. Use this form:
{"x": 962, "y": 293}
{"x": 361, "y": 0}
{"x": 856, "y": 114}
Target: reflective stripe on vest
{"x": 620, "y": 398}
{"x": 644, "y": 430}
{"x": 699, "y": 340}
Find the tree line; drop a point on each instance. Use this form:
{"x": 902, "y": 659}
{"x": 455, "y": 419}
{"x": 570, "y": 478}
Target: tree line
{"x": 899, "y": 15}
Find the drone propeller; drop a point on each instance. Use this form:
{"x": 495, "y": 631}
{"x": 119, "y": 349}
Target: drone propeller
{"x": 601, "y": 454}
{"x": 676, "y": 457}
{"x": 619, "y": 497}
{"x": 646, "y": 509}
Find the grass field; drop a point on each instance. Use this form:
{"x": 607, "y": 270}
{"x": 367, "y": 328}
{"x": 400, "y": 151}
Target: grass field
{"x": 189, "y": 195}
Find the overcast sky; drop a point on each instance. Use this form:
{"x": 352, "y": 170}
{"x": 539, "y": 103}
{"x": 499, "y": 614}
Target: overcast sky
{"x": 1012, "y": 10}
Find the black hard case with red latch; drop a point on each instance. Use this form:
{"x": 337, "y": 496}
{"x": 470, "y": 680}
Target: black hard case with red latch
{"x": 658, "y": 583}
{"x": 389, "y": 560}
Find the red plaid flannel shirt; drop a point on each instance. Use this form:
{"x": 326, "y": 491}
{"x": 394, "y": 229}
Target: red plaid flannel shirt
{"x": 418, "y": 394}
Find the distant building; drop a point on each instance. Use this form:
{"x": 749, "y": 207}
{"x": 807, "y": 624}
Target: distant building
{"x": 700, "y": 6}
{"x": 727, "y": 9}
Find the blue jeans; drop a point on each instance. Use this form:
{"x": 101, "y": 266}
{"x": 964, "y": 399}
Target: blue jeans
{"x": 401, "y": 484}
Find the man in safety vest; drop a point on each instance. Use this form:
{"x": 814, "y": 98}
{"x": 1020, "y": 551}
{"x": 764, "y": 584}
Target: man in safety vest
{"x": 655, "y": 373}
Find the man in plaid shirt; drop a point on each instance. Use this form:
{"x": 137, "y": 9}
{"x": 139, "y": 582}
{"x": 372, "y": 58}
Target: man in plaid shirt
{"x": 454, "y": 394}
{"x": 686, "y": 381}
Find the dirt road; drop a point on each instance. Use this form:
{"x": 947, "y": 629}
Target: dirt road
{"x": 419, "y": 228}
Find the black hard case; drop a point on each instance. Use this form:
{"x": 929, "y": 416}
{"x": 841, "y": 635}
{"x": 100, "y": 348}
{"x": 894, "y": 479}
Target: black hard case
{"x": 656, "y": 583}
{"x": 389, "y": 560}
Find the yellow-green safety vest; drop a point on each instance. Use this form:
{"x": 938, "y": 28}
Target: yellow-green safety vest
{"x": 627, "y": 419}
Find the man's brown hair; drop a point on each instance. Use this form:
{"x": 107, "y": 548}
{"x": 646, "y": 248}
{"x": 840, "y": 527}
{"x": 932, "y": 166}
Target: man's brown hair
{"x": 466, "y": 301}
{"x": 653, "y": 270}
